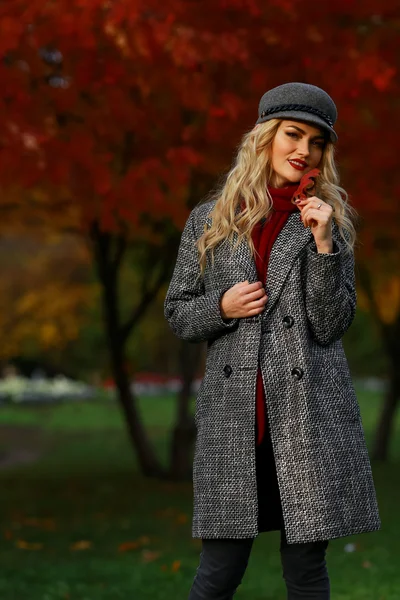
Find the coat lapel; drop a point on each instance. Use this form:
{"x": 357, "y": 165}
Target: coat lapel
{"x": 290, "y": 241}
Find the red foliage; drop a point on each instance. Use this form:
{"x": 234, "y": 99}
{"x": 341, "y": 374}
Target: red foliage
{"x": 121, "y": 103}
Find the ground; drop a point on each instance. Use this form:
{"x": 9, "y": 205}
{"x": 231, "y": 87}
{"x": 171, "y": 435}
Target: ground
{"x": 78, "y": 522}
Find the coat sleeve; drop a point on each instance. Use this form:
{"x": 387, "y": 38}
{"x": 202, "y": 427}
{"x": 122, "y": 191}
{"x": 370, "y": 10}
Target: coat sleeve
{"x": 331, "y": 297}
{"x": 193, "y": 314}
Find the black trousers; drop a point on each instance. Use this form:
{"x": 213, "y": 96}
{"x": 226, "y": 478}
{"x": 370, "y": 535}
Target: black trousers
{"x": 223, "y": 562}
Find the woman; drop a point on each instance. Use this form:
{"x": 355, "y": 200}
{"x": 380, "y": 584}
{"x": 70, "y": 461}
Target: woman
{"x": 269, "y": 284}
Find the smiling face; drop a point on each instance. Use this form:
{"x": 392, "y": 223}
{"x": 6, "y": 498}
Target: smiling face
{"x": 296, "y": 149}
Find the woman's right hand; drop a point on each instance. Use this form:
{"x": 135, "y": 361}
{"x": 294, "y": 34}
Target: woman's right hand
{"x": 244, "y": 299}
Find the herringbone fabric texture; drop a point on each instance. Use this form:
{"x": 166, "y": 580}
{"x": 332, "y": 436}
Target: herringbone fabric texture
{"x": 322, "y": 463}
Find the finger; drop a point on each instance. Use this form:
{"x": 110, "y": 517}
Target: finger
{"x": 314, "y": 214}
{"x": 260, "y": 293}
{"x": 251, "y": 287}
{"x": 310, "y": 202}
{"x": 254, "y": 296}
{"x": 256, "y": 304}
{"x": 322, "y": 209}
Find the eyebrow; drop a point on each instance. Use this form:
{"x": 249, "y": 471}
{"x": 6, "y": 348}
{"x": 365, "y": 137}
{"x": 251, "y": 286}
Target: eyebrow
{"x": 302, "y": 131}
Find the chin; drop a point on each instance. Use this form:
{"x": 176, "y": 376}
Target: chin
{"x": 293, "y": 177}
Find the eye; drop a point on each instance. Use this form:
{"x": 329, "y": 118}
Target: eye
{"x": 319, "y": 144}
{"x": 291, "y": 134}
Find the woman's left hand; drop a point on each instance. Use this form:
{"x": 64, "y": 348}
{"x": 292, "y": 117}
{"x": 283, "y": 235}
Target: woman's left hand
{"x": 318, "y": 219}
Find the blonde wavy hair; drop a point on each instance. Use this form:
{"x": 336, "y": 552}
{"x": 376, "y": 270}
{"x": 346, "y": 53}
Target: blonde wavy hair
{"x": 248, "y": 180}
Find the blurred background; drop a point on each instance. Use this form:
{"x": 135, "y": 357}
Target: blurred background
{"x": 116, "y": 118}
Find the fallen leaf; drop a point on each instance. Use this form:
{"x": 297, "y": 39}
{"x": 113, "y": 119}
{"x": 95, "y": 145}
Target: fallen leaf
{"x": 176, "y": 565}
{"x": 150, "y": 555}
{"x": 134, "y": 544}
{"x": 81, "y": 545}
{"x": 366, "y": 564}
{"x": 23, "y": 545}
{"x": 126, "y": 546}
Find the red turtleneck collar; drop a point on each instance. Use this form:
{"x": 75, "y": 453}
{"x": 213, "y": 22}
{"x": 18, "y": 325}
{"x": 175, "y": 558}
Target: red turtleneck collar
{"x": 281, "y": 197}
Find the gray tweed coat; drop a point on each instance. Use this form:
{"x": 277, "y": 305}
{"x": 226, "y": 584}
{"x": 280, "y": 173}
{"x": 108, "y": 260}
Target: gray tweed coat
{"x": 322, "y": 463}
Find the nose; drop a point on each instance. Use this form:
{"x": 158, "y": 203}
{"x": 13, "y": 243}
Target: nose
{"x": 303, "y": 148}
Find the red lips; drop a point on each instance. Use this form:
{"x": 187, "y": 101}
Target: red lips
{"x": 297, "y": 166}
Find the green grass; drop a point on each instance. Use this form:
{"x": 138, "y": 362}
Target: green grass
{"x": 85, "y": 488}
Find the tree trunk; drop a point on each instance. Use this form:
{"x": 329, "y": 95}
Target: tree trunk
{"x": 390, "y": 335}
{"x": 184, "y": 431}
{"x": 384, "y": 430}
{"x": 107, "y": 268}
{"x": 385, "y": 426}
{"x": 149, "y": 465}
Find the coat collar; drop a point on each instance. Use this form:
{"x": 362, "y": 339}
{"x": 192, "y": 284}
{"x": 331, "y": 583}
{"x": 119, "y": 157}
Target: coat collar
{"x": 290, "y": 241}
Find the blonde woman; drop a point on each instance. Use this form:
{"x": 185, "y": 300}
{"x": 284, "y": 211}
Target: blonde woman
{"x": 265, "y": 275}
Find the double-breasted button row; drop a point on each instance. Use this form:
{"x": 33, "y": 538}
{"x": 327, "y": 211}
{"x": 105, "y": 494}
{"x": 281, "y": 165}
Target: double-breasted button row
{"x": 297, "y": 372}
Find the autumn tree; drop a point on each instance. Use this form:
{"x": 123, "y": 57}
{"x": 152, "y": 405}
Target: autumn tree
{"x": 122, "y": 115}
{"x": 45, "y": 293}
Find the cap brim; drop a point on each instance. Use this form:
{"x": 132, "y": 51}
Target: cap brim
{"x": 301, "y": 116}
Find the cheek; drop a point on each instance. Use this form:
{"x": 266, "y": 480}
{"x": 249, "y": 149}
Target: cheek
{"x": 316, "y": 155}
{"x": 281, "y": 149}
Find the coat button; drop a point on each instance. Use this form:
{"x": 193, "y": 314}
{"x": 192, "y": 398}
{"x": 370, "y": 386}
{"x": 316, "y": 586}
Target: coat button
{"x": 297, "y": 373}
{"x": 288, "y": 321}
{"x": 227, "y": 370}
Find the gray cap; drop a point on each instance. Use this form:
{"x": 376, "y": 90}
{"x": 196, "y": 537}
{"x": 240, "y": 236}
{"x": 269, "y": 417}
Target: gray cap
{"x": 301, "y": 101}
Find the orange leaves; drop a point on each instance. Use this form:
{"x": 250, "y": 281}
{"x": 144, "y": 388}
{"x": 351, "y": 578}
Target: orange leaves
{"x": 23, "y": 545}
{"x": 143, "y": 547}
{"x": 134, "y": 544}
{"x": 128, "y": 546}
{"x": 150, "y": 555}
{"x": 81, "y": 545}
{"x": 386, "y": 291}
{"x": 176, "y": 565}
{"x": 42, "y": 296}
{"x": 146, "y": 554}
{"x": 171, "y": 513}
{"x": 44, "y": 524}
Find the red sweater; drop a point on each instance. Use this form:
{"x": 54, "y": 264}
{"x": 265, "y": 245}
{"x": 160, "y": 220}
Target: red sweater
{"x": 264, "y": 236}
